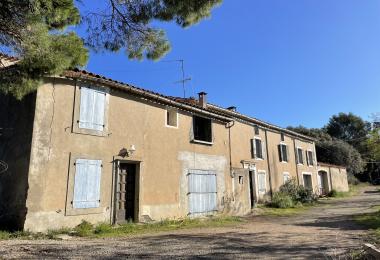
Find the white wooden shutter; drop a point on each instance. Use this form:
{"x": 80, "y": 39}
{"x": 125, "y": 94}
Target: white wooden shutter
{"x": 261, "y": 182}
{"x": 87, "y": 183}
{"x": 253, "y": 148}
{"x": 92, "y": 108}
{"x": 202, "y": 191}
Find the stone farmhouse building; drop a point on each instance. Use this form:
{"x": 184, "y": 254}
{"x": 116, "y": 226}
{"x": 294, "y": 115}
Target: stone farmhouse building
{"x": 86, "y": 147}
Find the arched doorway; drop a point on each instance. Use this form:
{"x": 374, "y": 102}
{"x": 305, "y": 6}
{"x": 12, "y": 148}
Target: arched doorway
{"x": 323, "y": 183}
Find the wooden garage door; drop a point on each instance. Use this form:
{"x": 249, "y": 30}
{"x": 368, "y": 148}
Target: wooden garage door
{"x": 202, "y": 192}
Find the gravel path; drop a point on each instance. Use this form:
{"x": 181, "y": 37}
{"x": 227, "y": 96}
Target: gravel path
{"x": 315, "y": 234}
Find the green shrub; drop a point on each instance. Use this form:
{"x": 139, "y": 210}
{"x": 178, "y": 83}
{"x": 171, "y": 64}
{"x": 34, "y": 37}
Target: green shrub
{"x": 84, "y": 229}
{"x": 282, "y": 200}
{"x": 103, "y": 228}
{"x": 291, "y": 188}
{"x": 333, "y": 193}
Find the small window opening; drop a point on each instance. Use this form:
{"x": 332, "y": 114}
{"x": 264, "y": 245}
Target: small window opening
{"x": 202, "y": 129}
{"x": 257, "y": 131}
{"x": 241, "y": 179}
{"x": 282, "y": 137}
{"x": 172, "y": 117}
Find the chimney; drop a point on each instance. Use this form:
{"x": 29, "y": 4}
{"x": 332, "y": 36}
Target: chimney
{"x": 203, "y": 99}
{"x": 232, "y": 108}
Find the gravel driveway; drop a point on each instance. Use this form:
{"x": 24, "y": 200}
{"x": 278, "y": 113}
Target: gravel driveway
{"x": 315, "y": 234}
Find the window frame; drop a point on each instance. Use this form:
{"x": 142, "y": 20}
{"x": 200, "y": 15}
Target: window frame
{"x": 286, "y": 174}
{"x": 254, "y": 147}
{"x": 168, "y": 110}
{"x": 287, "y": 153}
{"x": 76, "y": 113}
{"x": 193, "y": 140}
{"x": 298, "y": 155}
{"x": 308, "y": 159}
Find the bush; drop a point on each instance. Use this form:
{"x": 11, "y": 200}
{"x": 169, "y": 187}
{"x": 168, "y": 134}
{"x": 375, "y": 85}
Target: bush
{"x": 291, "y": 194}
{"x": 282, "y": 200}
{"x": 103, "y": 228}
{"x": 333, "y": 193}
{"x": 352, "y": 179}
{"x": 84, "y": 229}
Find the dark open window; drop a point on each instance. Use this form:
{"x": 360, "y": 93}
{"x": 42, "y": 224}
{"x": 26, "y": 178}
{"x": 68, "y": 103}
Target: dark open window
{"x": 202, "y": 129}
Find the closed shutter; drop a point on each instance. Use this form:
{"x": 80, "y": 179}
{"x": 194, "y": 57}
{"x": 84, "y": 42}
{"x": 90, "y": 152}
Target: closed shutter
{"x": 87, "y": 184}
{"x": 253, "y": 148}
{"x": 279, "y": 152}
{"x": 259, "y": 151}
{"x": 202, "y": 191}
{"x": 261, "y": 181}
{"x": 92, "y": 104}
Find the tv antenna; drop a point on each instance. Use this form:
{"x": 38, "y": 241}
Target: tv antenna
{"x": 183, "y": 80}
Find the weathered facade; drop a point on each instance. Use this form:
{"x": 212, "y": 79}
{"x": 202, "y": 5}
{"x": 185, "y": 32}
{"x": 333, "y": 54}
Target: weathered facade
{"x": 95, "y": 149}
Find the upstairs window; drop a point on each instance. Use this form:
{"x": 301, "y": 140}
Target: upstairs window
{"x": 299, "y": 156}
{"x": 310, "y": 158}
{"x": 257, "y": 148}
{"x": 282, "y": 137}
{"x": 92, "y": 108}
{"x": 171, "y": 117}
{"x": 257, "y": 131}
{"x": 283, "y": 152}
{"x": 202, "y": 128}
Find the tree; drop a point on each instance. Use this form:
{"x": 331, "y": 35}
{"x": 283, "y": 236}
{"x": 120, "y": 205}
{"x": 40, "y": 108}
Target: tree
{"x": 340, "y": 153}
{"x": 332, "y": 150}
{"x": 350, "y": 128}
{"x": 40, "y": 33}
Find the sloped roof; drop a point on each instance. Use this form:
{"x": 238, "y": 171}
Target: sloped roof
{"x": 190, "y": 104}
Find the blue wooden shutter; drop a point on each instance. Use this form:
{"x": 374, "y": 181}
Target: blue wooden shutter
{"x": 87, "y": 183}
{"x": 92, "y": 104}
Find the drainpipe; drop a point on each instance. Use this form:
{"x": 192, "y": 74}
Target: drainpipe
{"x": 296, "y": 155}
{"x": 269, "y": 168}
{"x": 229, "y": 125}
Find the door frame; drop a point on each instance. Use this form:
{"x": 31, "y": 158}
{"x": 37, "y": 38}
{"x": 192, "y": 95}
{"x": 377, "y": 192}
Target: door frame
{"x": 115, "y": 178}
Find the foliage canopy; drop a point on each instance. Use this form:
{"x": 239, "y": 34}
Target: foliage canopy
{"x": 40, "y": 32}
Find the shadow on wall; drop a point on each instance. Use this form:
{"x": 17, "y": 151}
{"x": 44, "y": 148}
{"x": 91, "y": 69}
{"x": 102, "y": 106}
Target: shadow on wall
{"x": 16, "y": 129}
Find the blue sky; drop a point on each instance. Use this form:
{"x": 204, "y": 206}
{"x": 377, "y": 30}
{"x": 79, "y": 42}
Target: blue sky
{"x": 286, "y": 62}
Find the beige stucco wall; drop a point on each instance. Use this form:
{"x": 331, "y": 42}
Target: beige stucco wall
{"x": 337, "y": 177}
{"x": 165, "y": 154}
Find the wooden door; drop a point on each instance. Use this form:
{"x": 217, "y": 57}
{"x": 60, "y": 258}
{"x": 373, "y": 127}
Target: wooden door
{"x": 126, "y": 193}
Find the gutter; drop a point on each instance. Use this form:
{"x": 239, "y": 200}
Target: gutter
{"x": 259, "y": 122}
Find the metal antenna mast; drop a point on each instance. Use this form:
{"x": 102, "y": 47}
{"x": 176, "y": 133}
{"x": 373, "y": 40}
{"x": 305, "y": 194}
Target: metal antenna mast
{"x": 183, "y": 80}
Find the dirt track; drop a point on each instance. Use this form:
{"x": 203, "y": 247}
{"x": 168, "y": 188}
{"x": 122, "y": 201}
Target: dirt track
{"x": 315, "y": 234}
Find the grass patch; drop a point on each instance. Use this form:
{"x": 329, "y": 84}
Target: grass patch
{"x": 353, "y": 190}
{"x": 282, "y": 212}
{"x": 86, "y": 229}
{"x": 372, "y": 222}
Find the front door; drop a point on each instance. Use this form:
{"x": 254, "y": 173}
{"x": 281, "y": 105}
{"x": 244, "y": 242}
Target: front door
{"x": 251, "y": 188}
{"x": 126, "y": 193}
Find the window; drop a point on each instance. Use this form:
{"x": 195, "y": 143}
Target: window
{"x": 299, "y": 156}
{"x": 257, "y": 131}
{"x": 257, "y": 148}
{"x": 202, "y": 191}
{"x": 261, "y": 182}
{"x": 307, "y": 182}
{"x": 282, "y": 137}
{"x": 92, "y": 108}
{"x": 87, "y": 184}
{"x": 286, "y": 177}
{"x": 202, "y": 129}
{"x": 172, "y": 117}
{"x": 283, "y": 152}
{"x": 310, "y": 158}
{"x": 241, "y": 178}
